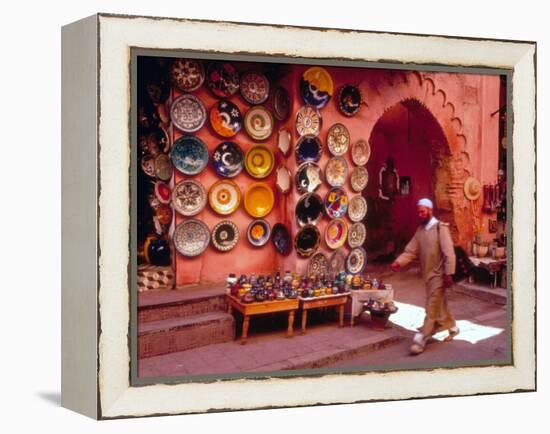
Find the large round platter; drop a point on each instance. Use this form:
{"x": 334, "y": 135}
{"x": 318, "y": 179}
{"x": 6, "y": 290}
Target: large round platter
{"x": 316, "y": 86}
{"x": 187, "y": 74}
{"x": 357, "y": 235}
{"x": 258, "y": 232}
{"x": 360, "y": 152}
{"x": 359, "y": 178}
{"x": 226, "y": 118}
{"x": 259, "y": 199}
{"x": 224, "y": 197}
{"x": 308, "y": 121}
{"x": 284, "y": 179}
{"x": 222, "y": 79}
{"x": 356, "y": 261}
{"x": 349, "y": 100}
{"x": 308, "y": 148}
{"x": 309, "y": 209}
{"x": 225, "y": 235}
{"x": 337, "y": 262}
{"x": 280, "y": 237}
{"x": 336, "y": 171}
{"x": 189, "y": 197}
{"x": 254, "y": 87}
{"x": 336, "y": 203}
{"x": 258, "y": 122}
{"x": 281, "y": 103}
{"x": 189, "y": 155}
{"x": 259, "y": 161}
{"x": 307, "y": 240}
{"x": 357, "y": 209}
{"x": 163, "y": 167}
{"x": 188, "y": 113}
{"x": 163, "y": 192}
{"x": 228, "y": 159}
{"x": 309, "y": 178}
{"x": 336, "y": 233}
{"x": 191, "y": 237}
{"x": 318, "y": 265}
{"x": 338, "y": 139}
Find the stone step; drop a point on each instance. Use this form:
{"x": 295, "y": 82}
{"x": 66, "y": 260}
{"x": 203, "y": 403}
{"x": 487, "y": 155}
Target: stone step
{"x": 482, "y": 292}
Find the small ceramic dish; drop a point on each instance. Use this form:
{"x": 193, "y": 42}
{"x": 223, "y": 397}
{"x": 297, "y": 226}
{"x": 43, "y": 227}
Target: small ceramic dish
{"x": 258, "y": 232}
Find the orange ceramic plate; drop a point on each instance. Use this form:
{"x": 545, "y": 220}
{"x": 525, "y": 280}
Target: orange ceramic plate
{"x": 259, "y": 200}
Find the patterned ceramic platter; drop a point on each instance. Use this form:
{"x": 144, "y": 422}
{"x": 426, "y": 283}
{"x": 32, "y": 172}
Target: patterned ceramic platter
{"x": 360, "y": 152}
{"x": 226, "y": 118}
{"x": 191, "y": 237}
{"x": 164, "y": 214}
{"x": 187, "y": 74}
{"x": 357, "y": 235}
{"x": 309, "y": 209}
{"x": 307, "y": 240}
{"x": 336, "y": 171}
{"x": 280, "y": 237}
{"x": 254, "y": 87}
{"x": 189, "y": 197}
{"x": 356, "y": 260}
{"x": 258, "y": 232}
{"x": 318, "y": 265}
{"x": 337, "y": 262}
{"x": 338, "y": 139}
{"x": 281, "y": 103}
{"x": 336, "y": 203}
{"x": 308, "y": 148}
{"x": 224, "y": 197}
{"x": 349, "y": 100}
{"x": 259, "y": 161}
{"x": 336, "y": 233}
{"x": 148, "y": 165}
{"x": 259, "y": 200}
{"x": 284, "y": 141}
{"x": 222, "y": 79}
{"x": 308, "y": 121}
{"x": 359, "y": 178}
{"x": 357, "y": 209}
{"x": 316, "y": 86}
{"x": 189, "y": 155}
{"x": 284, "y": 179}
{"x": 188, "y": 113}
{"x": 225, "y": 235}
{"x": 228, "y": 159}
{"x": 163, "y": 167}
{"x": 163, "y": 192}
{"x": 309, "y": 178}
{"x": 258, "y": 122}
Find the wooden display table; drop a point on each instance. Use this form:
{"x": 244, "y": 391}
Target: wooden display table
{"x": 259, "y": 308}
{"x": 495, "y": 267}
{"x": 336, "y": 300}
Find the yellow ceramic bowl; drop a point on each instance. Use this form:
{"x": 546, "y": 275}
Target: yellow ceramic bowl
{"x": 259, "y": 161}
{"x": 259, "y": 199}
{"x": 224, "y": 196}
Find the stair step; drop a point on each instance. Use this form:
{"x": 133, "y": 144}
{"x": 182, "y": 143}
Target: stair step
{"x": 481, "y": 292}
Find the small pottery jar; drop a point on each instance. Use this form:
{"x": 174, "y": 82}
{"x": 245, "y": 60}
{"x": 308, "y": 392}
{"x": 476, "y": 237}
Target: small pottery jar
{"x": 482, "y": 251}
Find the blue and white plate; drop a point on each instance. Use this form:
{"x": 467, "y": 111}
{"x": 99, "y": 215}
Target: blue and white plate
{"x": 189, "y": 155}
{"x": 308, "y": 148}
{"x": 228, "y": 159}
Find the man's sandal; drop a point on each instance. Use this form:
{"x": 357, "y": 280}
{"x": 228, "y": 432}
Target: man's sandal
{"x": 453, "y": 331}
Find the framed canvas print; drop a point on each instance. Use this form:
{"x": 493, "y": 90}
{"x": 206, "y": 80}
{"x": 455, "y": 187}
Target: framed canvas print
{"x": 237, "y": 235}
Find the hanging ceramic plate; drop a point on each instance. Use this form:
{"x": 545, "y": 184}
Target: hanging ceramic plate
{"x": 191, "y": 237}
{"x": 316, "y": 86}
{"x": 259, "y": 199}
{"x": 307, "y": 240}
{"x": 357, "y": 235}
{"x": 259, "y": 161}
{"x": 164, "y": 214}
{"x": 187, "y": 74}
{"x": 163, "y": 167}
{"x": 281, "y": 103}
{"x": 338, "y": 139}
{"x": 360, "y": 152}
{"x": 254, "y": 87}
{"x": 309, "y": 178}
{"x": 225, "y": 235}
{"x": 336, "y": 233}
{"x": 336, "y": 171}
{"x": 258, "y": 232}
{"x": 356, "y": 261}
{"x": 359, "y": 178}
{"x": 280, "y": 237}
{"x": 309, "y": 209}
{"x": 148, "y": 165}
{"x": 308, "y": 148}
{"x": 336, "y": 203}
{"x": 189, "y": 197}
{"x": 349, "y": 100}
{"x": 318, "y": 265}
{"x": 357, "y": 209}
{"x": 284, "y": 179}
{"x": 189, "y": 155}
{"x": 154, "y": 142}
{"x": 228, "y": 159}
{"x": 284, "y": 141}
{"x": 337, "y": 262}
{"x": 188, "y": 113}
{"x": 163, "y": 192}
{"x": 222, "y": 79}
{"x": 308, "y": 121}
{"x": 258, "y": 122}
{"x": 226, "y": 118}
{"x": 224, "y": 197}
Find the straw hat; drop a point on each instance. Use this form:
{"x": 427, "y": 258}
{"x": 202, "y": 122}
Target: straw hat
{"x": 472, "y": 188}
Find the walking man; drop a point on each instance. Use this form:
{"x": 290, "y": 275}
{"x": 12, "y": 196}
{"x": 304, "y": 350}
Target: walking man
{"x": 433, "y": 246}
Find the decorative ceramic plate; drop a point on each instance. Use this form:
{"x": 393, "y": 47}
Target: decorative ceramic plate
{"x": 359, "y": 178}
{"x": 254, "y": 87}
{"x": 228, "y": 159}
{"x": 284, "y": 141}
{"x": 258, "y": 122}
{"x": 307, "y": 240}
{"x": 316, "y": 86}
{"x": 284, "y": 179}
{"x": 338, "y": 139}
{"x": 337, "y": 262}
{"x": 154, "y": 142}
{"x": 191, "y": 237}
{"x": 357, "y": 235}
{"x": 189, "y": 155}
{"x": 360, "y": 152}
{"x": 226, "y": 118}
{"x": 259, "y": 161}
{"x": 309, "y": 209}
{"x": 259, "y": 200}
{"x": 357, "y": 209}
{"x": 164, "y": 214}
{"x": 188, "y": 113}
{"x": 336, "y": 171}
{"x": 308, "y": 121}
{"x": 349, "y": 100}
{"x": 187, "y": 74}
{"x": 163, "y": 192}
{"x": 336, "y": 233}
{"x": 309, "y": 178}
{"x": 308, "y": 148}
{"x": 258, "y": 232}
{"x": 225, "y": 235}
{"x": 224, "y": 197}
{"x": 280, "y": 237}
{"x": 318, "y": 265}
{"x": 356, "y": 261}
{"x": 281, "y": 103}
{"x": 148, "y": 165}
{"x": 189, "y": 197}
{"x": 336, "y": 203}
{"x": 222, "y": 79}
{"x": 163, "y": 167}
